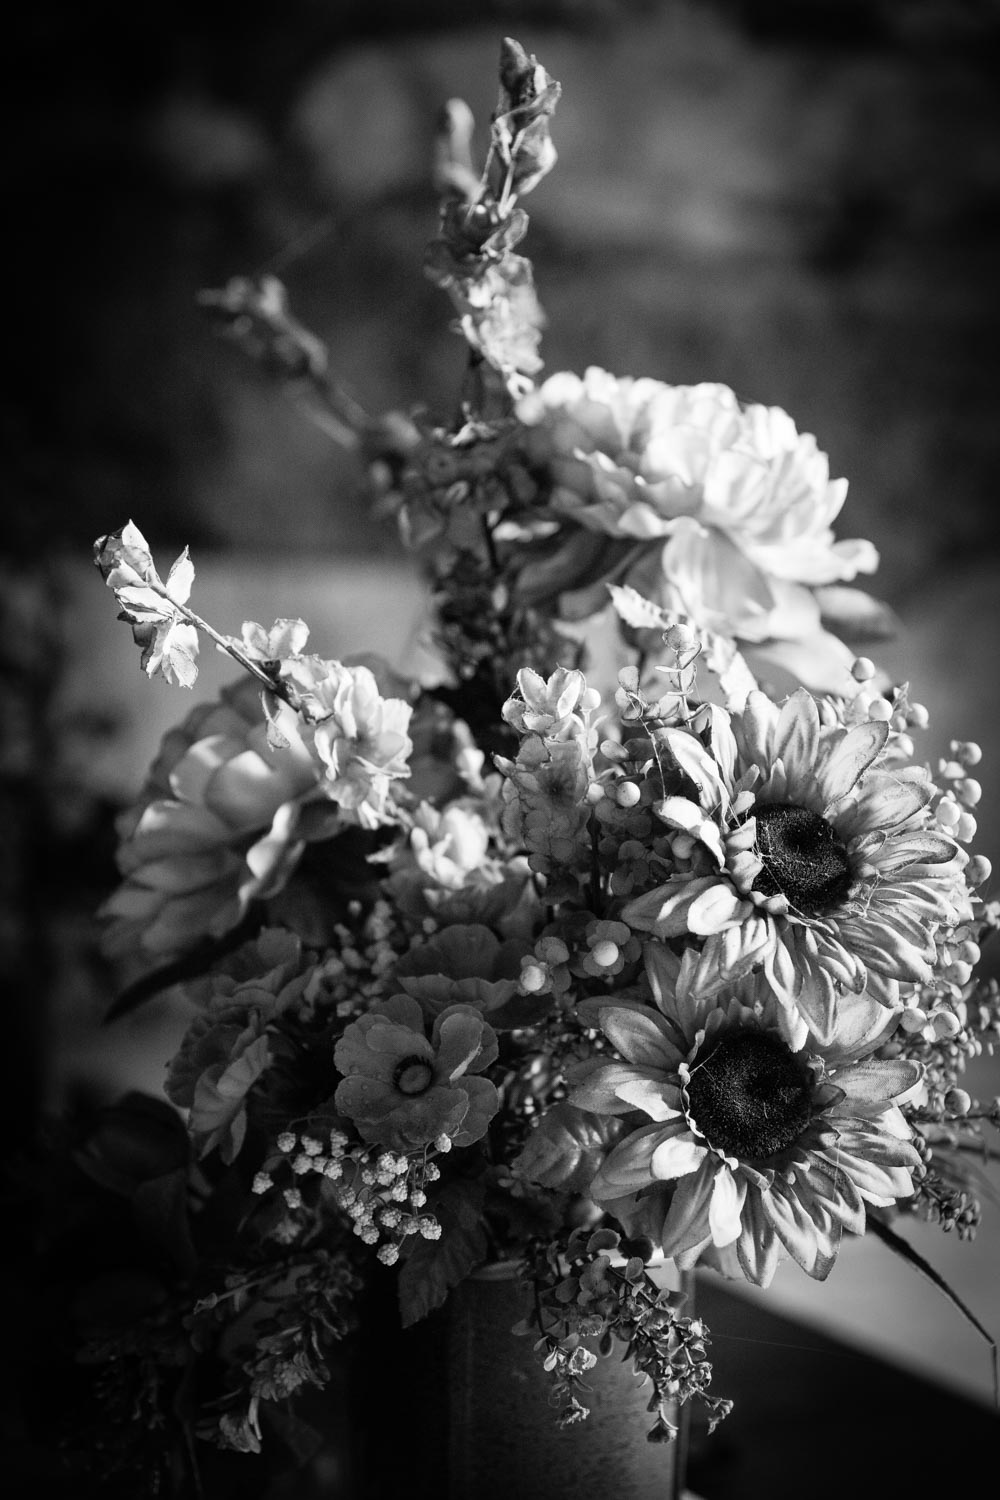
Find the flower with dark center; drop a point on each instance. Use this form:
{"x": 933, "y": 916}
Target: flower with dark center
{"x": 751, "y": 1096}
{"x": 802, "y": 858}
{"x": 404, "y": 1089}
{"x": 754, "y": 1144}
{"x": 414, "y": 1075}
{"x": 799, "y": 852}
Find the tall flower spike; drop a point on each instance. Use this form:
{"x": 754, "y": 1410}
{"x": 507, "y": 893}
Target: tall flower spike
{"x": 473, "y": 257}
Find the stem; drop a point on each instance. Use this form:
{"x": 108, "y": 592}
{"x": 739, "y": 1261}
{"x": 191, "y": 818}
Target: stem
{"x": 683, "y": 1440}
{"x": 272, "y": 684}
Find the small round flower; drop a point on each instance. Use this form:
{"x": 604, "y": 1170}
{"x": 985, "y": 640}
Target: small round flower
{"x": 404, "y": 1090}
{"x": 754, "y": 1142}
{"x": 810, "y": 858}
{"x": 719, "y": 511}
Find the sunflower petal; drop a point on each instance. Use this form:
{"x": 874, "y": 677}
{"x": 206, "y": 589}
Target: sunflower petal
{"x": 802, "y": 1236}
{"x": 878, "y": 1082}
{"x": 728, "y": 1195}
{"x": 758, "y": 1247}
{"x": 627, "y": 1168}
{"x": 641, "y": 1038}
{"x": 796, "y": 737}
{"x": 716, "y": 909}
{"x": 604, "y": 1091}
{"x": 849, "y": 760}
{"x": 663, "y": 911}
{"x": 688, "y": 817}
{"x": 686, "y": 1223}
{"x": 676, "y": 1157}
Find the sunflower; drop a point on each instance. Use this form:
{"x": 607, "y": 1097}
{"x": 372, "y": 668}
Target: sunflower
{"x": 755, "y": 1143}
{"x": 805, "y": 853}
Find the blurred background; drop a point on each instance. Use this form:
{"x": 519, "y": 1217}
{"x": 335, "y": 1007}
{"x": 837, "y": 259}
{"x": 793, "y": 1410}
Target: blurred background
{"x": 799, "y": 198}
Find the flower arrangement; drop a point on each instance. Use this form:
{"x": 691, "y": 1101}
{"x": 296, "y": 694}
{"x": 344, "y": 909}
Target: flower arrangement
{"x": 638, "y": 933}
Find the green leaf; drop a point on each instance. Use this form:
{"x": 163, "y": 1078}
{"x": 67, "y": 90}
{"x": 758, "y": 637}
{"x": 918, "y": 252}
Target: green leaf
{"x": 566, "y": 1148}
{"x": 433, "y": 1267}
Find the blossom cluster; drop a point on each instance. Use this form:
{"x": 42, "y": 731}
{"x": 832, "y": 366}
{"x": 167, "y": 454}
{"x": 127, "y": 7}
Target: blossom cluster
{"x": 641, "y": 932}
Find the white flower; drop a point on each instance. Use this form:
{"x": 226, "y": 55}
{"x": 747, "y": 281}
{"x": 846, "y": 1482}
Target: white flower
{"x": 808, "y": 857}
{"x": 756, "y": 1141}
{"x": 730, "y": 508}
{"x": 216, "y": 828}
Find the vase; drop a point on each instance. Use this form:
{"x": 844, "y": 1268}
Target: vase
{"x": 479, "y": 1420}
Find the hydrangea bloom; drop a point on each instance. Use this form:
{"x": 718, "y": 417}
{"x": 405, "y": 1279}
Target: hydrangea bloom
{"x": 754, "y": 1141}
{"x": 720, "y": 511}
{"x": 358, "y": 737}
{"x": 218, "y": 825}
{"x": 405, "y": 1090}
{"x": 804, "y": 855}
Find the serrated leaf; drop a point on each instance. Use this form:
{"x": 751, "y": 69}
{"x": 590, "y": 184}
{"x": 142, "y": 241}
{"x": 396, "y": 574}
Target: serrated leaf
{"x": 636, "y": 610}
{"x": 566, "y": 1148}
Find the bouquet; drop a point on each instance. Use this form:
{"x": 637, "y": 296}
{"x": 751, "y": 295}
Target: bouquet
{"x": 635, "y": 932}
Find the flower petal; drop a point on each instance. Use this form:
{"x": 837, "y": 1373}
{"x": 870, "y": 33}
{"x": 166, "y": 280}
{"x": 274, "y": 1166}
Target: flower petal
{"x": 878, "y": 1082}
{"x": 848, "y": 761}
{"x": 627, "y": 1168}
{"x": 716, "y": 909}
{"x": 640, "y": 1037}
{"x": 677, "y": 1157}
{"x": 724, "y": 1211}
{"x": 796, "y": 737}
{"x": 686, "y": 1223}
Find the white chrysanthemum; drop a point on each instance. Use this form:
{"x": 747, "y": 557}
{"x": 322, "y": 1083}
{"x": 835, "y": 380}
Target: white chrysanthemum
{"x": 807, "y": 858}
{"x": 754, "y": 1142}
{"x": 218, "y": 825}
{"x": 735, "y": 506}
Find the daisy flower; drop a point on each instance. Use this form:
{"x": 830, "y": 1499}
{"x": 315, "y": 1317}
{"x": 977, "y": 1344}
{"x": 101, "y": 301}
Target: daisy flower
{"x": 805, "y": 855}
{"x": 754, "y": 1142}
{"x": 716, "y": 510}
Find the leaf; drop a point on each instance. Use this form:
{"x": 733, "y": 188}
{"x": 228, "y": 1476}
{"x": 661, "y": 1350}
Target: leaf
{"x": 124, "y": 557}
{"x": 635, "y": 610}
{"x": 520, "y": 128}
{"x": 161, "y": 628}
{"x": 565, "y": 1148}
{"x": 905, "y": 1251}
{"x": 433, "y": 1267}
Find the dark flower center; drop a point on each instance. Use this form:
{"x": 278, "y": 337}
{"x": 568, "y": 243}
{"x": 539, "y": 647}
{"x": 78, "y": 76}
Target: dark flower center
{"x": 803, "y": 858}
{"x": 413, "y": 1076}
{"x": 751, "y": 1096}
